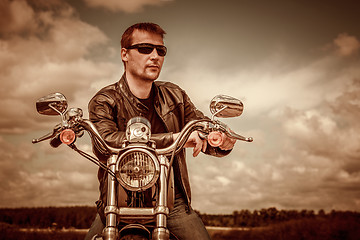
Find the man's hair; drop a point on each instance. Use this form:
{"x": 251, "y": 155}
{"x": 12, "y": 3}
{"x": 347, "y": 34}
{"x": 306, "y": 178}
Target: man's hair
{"x": 126, "y": 39}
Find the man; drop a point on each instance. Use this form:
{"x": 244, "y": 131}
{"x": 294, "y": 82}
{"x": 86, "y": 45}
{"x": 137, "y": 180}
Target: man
{"x": 168, "y": 109}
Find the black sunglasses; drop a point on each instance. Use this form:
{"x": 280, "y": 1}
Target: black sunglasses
{"x": 147, "y": 48}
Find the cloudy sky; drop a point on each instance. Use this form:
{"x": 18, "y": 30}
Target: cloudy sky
{"x": 294, "y": 64}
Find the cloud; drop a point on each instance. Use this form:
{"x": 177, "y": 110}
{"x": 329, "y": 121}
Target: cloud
{"x": 124, "y": 5}
{"x": 46, "y": 49}
{"x": 305, "y": 124}
{"x": 62, "y": 178}
{"x": 303, "y": 117}
{"x": 333, "y": 123}
{"x": 16, "y": 16}
{"x": 326, "y": 140}
{"x": 270, "y": 85}
{"x": 346, "y": 45}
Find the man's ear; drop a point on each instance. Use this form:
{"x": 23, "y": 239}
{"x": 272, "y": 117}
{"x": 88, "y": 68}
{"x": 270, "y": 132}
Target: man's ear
{"x": 124, "y": 55}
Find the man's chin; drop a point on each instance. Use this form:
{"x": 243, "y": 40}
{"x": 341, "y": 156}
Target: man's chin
{"x": 151, "y": 77}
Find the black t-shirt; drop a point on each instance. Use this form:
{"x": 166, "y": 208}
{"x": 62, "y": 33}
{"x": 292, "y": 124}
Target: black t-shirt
{"x": 158, "y": 126}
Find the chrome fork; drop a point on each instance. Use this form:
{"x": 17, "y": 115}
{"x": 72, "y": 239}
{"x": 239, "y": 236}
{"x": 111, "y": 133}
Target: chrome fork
{"x": 162, "y": 211}
{"x": 110, "y": 232}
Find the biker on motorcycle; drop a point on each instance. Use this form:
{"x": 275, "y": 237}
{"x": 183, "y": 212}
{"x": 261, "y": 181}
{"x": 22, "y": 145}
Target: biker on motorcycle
{"x": 168, "y": 109}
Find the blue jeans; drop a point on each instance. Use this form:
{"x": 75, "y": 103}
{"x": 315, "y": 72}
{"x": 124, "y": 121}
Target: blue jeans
{"x": 182, "y": 222}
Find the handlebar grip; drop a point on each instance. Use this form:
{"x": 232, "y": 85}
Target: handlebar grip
{"x": 55, "y": 142}
{"x": 215, "y": 139}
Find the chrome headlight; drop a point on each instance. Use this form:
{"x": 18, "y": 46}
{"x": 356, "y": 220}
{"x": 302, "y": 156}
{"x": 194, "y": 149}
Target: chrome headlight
{"x": 137, "y": 169}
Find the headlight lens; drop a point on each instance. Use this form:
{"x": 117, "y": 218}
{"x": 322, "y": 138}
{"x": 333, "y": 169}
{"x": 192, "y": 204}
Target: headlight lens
{"x": 137, "y": 169}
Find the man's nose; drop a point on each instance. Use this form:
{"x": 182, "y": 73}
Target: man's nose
{"x": 154, "y": 54}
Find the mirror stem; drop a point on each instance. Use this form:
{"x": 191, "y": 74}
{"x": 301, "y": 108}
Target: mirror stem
{"x": 223, "y": 108}
{"x": 53, "y": 108}
{"x": 63, "y": 122}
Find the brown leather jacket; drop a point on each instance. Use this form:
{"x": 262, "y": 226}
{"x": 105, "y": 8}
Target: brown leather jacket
{"x": 113, "y": 106}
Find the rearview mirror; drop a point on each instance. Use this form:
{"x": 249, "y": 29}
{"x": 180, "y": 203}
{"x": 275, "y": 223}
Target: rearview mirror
{"x": 52, "y": 104}
{"x": 226, "y": 106}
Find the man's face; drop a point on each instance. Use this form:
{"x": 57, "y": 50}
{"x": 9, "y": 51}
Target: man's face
{"x": 143, "y": 66}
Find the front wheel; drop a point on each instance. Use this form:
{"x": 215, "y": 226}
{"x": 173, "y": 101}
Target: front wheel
{"x": 134, "y": 237}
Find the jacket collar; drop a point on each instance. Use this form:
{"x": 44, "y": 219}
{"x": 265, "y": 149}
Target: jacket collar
{"x": 124, "y": 89}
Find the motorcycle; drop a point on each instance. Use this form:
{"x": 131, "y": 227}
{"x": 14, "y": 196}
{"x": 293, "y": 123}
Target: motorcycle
{"x": 137, "y": 169}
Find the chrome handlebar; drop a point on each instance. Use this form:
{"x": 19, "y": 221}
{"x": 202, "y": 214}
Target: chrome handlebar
{"x": 204, "y": 126}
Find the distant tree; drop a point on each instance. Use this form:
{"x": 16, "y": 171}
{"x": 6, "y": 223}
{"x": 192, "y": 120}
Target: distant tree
{"x": 321, "y": 213}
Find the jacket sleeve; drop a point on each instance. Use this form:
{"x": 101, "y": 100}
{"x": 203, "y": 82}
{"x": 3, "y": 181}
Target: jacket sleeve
{"x": 102, "y": 114}
{"x": 191, "y": 113}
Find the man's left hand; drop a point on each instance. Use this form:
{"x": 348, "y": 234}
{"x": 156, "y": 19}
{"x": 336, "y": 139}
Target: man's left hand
{"x": 227, "y": 143}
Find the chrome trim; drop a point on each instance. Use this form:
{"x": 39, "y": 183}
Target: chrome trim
{"x": 226, "y": 106}
{"x": 161, "y": 216}
{"x": 161, "y": 234}
{"x": 109, "y": 232}
{"x": 153, "y": 159}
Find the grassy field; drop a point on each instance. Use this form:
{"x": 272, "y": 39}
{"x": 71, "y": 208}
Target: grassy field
{"x": 310, "y": 229}
{"x": 9, "y": 232}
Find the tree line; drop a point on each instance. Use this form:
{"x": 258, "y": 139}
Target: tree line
{"x": 45, "y": 217}
{"x": 266, "y": 217}
{"x": 81, "y": 217}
